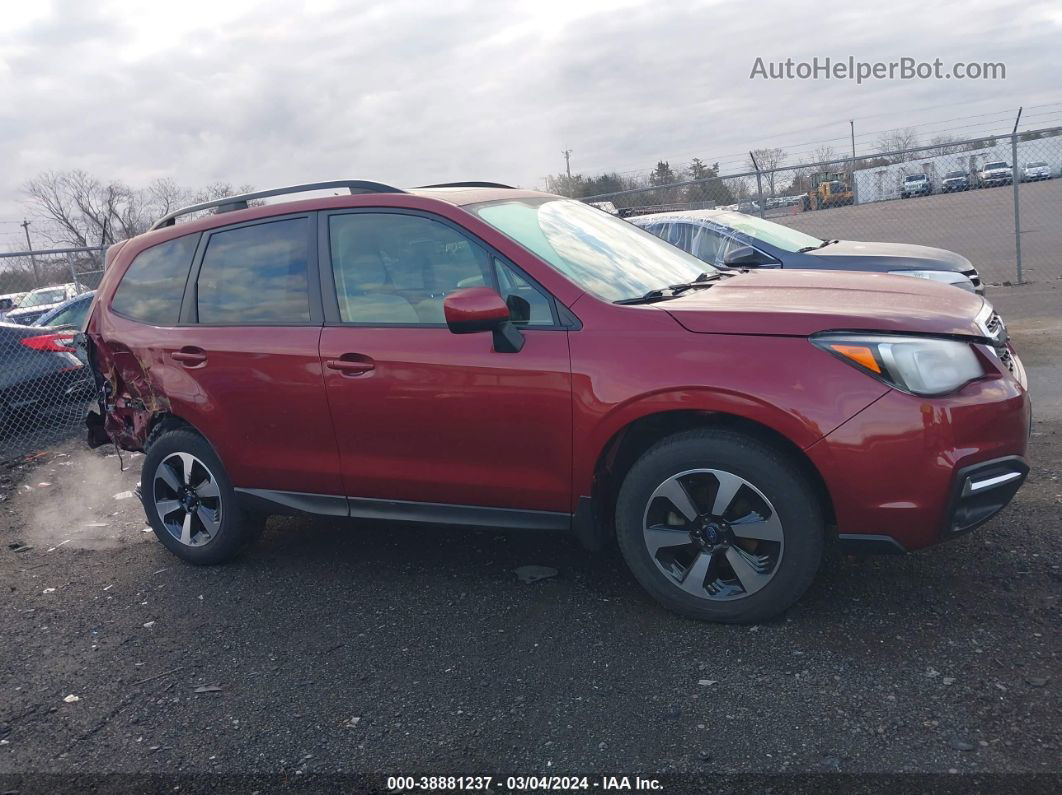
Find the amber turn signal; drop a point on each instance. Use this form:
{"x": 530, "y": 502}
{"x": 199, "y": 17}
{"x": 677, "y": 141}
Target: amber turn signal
{"x": 860, "y": 354}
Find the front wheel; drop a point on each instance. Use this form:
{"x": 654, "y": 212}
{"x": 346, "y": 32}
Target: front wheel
{"x": 720, "y": 526}
{"x": 190, "y": 503}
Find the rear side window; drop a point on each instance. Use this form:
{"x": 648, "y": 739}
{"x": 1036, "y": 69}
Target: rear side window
{"x": 255, "y": 275}
{"x": 153, "y": 286}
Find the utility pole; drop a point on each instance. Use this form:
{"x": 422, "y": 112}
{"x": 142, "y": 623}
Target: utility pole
{"x": 568, "y": 162}
{"x": 851, "y": 166}
{"x": 1015, "y": 181}
{"x": 29, "y": 245}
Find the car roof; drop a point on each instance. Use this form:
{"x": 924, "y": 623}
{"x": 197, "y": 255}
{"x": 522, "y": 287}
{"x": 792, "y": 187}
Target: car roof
{"x": 462, "y": 196}
{"x": 718, "y": 216}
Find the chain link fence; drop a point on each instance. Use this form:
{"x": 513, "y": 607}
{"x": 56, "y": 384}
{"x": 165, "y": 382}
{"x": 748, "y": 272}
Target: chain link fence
{"x": 995, "y": 200}
{"x": 45, "y": 387}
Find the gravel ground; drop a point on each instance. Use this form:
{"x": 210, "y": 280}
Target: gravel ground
{"x": 376, "y": 650}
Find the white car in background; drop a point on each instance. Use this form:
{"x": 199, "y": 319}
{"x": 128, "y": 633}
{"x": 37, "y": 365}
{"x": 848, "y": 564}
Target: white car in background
{"x": 9, "y": 302}
{"x": 1035, "y": 171}
{"x": 40, "y": 301}
{"x": 995, "y": 173}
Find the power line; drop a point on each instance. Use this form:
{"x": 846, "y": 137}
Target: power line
{"x": 992, "y": 129}
{"x": 740, "y": 156}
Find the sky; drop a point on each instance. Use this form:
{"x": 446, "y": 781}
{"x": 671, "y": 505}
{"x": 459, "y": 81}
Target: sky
{"x": 413, "y": 91}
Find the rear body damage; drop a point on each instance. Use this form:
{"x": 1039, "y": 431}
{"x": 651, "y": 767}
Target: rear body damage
{"x": 130, "y": 403}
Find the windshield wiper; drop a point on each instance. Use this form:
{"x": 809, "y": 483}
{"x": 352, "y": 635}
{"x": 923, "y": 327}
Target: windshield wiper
{"x": 704, "y": 280}
{"x": 823, "y": 244}
{"x": 649, "y": 297}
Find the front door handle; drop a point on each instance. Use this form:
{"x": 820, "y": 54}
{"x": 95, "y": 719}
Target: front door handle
{"x": 189, "y": 356}
{"x": 351, "y": 364}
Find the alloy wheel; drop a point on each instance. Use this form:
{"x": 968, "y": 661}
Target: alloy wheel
{"x": 187, "y": 499}
{"x": 713, "y": 534}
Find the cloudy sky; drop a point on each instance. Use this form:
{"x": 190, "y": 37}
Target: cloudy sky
{"x": 415, "y": 91}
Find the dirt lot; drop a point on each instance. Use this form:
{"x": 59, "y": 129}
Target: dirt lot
{"x": 979, "y": 224}
{"x": 378, "y": 650}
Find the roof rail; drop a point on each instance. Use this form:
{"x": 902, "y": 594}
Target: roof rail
{"x": 241, "y": 201}
{"x": 467, "y": 185}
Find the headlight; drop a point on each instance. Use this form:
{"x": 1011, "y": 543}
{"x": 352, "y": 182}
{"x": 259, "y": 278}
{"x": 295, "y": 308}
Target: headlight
{"x": 919, "y": 365}
{"x": 948, "y": 277}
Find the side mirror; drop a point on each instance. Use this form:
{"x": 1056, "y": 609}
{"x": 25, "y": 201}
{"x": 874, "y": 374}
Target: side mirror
{"x": 746, "y": 257}
{"x": 476, "y": 309}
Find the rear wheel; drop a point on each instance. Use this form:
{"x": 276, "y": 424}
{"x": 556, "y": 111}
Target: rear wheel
{"x": 719, "y": 526}
{"x": 190, "y": 502}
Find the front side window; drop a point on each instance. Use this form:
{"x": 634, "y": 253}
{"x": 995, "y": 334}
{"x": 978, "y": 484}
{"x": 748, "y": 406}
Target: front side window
{"x": 605, "y": 255}
{"x": 152, "y": 288}
{"x": 708, "y": 244}
{"x": 396, "y": 269}
{"x": 256, "y": 275}
{"x": 528, "y": 305}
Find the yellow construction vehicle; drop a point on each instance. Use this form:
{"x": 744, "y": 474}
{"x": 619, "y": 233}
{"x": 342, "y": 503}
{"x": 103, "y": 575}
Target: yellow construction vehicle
{"x": 829, "y": 189}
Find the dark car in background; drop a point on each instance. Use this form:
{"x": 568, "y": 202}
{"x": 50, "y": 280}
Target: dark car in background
{"x": 38, "y": 302}
{"x": 728, "y": 239}
{"x": 39, "y": 371}
{"x": 915, "y": 185}
{"x": 955, "y": 181}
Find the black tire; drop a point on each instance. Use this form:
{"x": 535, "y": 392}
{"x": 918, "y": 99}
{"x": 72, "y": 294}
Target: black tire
{"x": 237, "y": 527}
{"x": 777, "y": 477}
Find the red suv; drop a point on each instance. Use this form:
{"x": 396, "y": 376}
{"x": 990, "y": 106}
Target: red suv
{"x": 474, "y": 354}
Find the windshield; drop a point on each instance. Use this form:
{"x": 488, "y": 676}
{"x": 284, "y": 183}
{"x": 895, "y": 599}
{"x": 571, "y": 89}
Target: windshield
{"x": 611, "y": 258}
{"x": 43, "y": 297}
{"x": 954, "y": 174}
{"x": 995, "y": 165}
{"x": 781, "y": 237}
{"x": 916, "y": 178}
{"x": 1037, "y": 164}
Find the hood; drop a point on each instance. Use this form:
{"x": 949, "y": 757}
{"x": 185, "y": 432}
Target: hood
{"x": 895, "y": 256}
{"x": 803, "y": 302}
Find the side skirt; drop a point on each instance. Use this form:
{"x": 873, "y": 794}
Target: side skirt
{"x": 291, "y": 502}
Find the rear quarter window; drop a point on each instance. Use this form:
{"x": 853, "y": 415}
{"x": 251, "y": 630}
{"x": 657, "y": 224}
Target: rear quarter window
{"x": 152, "y": 288}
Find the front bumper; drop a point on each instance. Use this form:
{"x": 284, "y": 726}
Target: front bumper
{"x": 909, "y": 472}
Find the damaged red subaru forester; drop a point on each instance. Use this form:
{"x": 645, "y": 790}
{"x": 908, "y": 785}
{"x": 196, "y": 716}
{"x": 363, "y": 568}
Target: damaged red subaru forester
{"x": 473, "y": 354}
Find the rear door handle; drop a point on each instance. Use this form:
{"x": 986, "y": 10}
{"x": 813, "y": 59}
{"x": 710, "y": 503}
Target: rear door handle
{"x": 351, "y": 364}
{"x": 189, "y": 356}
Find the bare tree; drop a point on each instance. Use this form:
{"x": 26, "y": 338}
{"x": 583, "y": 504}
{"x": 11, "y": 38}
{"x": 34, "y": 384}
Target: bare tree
{"x": 898, "y": 141}
{"x": 81, "y": 210}
{"x": 768, "y": 160}
{"x": 943, "y": 145}
{"x": 823, "y": 154}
